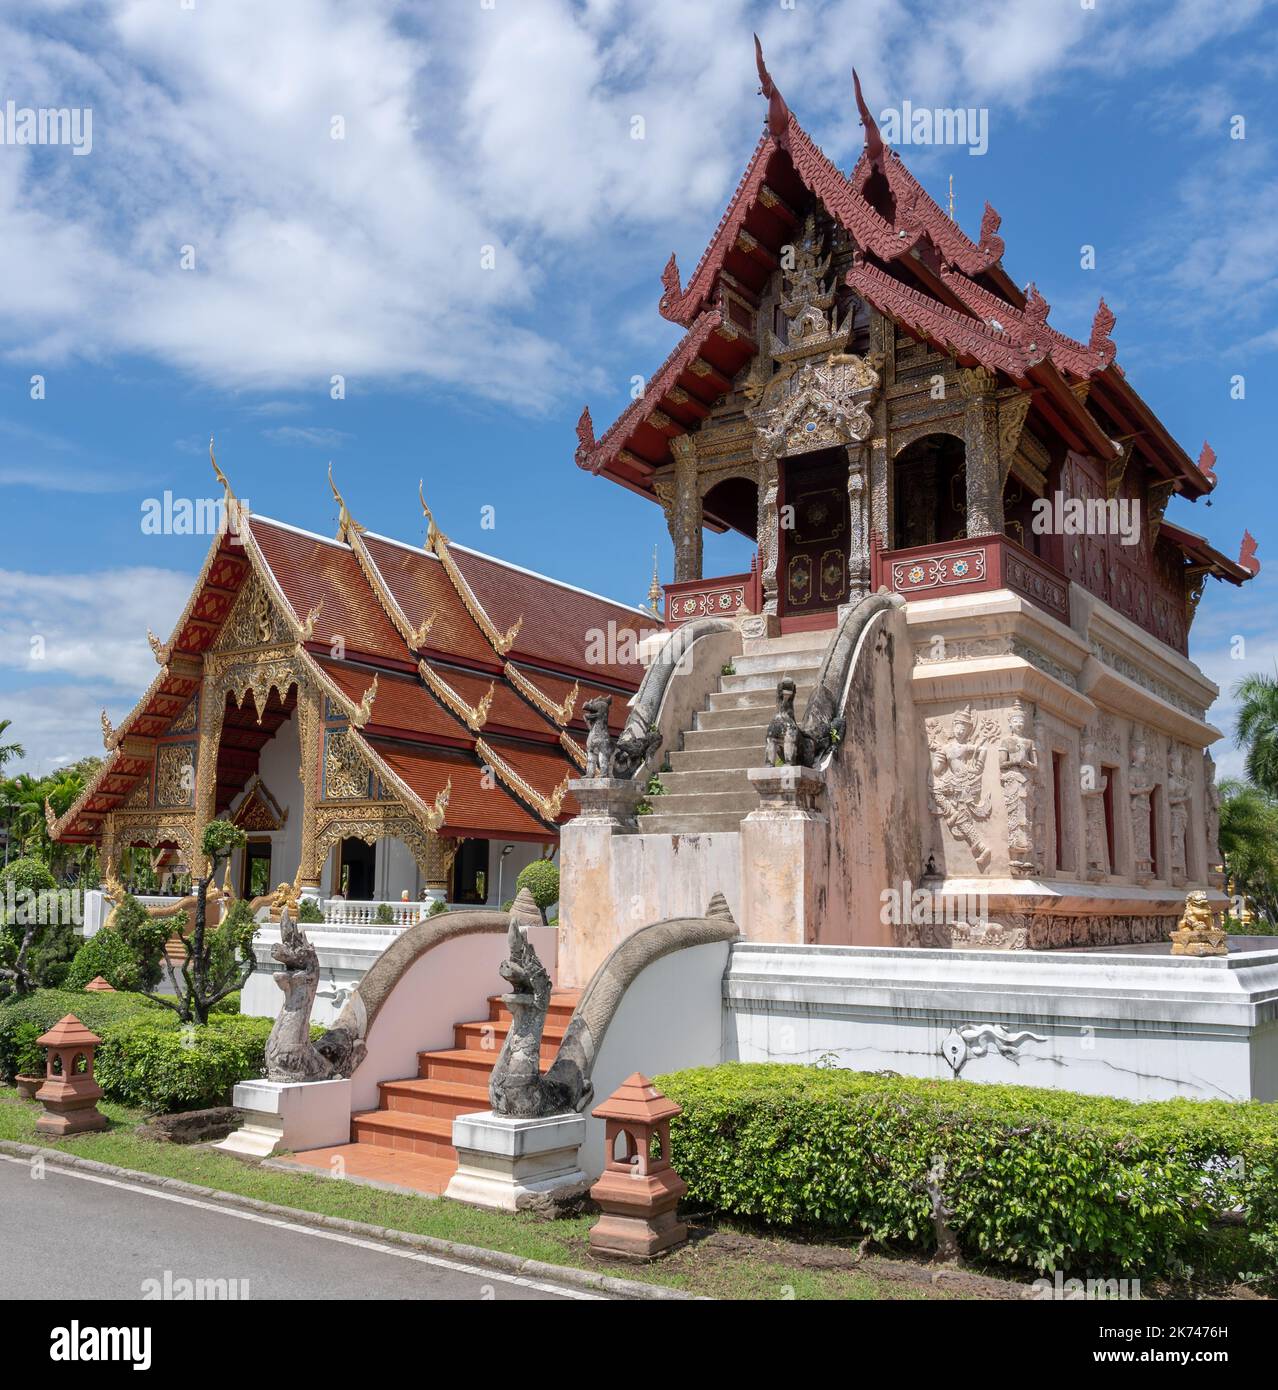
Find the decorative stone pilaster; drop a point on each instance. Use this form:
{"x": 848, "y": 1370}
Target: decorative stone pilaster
{"x": 980, "y": 437}
{"x": 784, "y": 846}
{"x": 859, "y": 518}
{"x": 685, "y": 517}
{"x": 1140, "y": 787}
{"x": 769, "y": 531}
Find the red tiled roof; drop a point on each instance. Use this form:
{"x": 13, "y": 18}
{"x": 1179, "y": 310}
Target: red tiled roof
{"x": 558, "y": 621}
{"x": 477, "y": 806}
{"x": 419, "y": 585}
{"x": 402, "y": 703}
{"x": 309, "y": 569}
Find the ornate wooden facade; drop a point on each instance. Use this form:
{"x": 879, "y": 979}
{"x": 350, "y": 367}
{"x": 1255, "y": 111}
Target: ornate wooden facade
{"x": 843, "y": 327}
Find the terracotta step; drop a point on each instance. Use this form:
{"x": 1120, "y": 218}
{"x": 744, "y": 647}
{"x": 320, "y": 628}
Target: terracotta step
{"x": 444, "y": 1099}
{"x": 465, "y": 1065}
{"x": 429, "y": 1135}
{"x": 488, "y": 1035}
{"x": 558, "y": 1014}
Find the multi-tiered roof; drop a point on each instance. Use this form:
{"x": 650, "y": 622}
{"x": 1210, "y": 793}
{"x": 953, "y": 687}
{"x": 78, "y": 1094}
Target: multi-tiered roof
{"x": 447, "y": 663}
{"x": 916, "y": 266}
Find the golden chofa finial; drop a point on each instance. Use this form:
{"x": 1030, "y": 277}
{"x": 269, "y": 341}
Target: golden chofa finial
{"x": 221, "y": 477}
{"x": 654, "y": 589}
{"x": 432, "y": 531}
{"x": 346, "y": 523}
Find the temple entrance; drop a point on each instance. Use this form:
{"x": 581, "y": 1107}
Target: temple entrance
{"x": 815, "y": 544}
{"x": 356, "y": 862}
{"x": 930, "y": 491}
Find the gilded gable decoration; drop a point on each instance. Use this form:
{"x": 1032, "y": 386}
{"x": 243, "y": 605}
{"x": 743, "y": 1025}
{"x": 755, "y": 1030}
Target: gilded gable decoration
{"x": 175, "y": 775}
{"x": 259, "y": 810}
{"x": 347, "y": 776}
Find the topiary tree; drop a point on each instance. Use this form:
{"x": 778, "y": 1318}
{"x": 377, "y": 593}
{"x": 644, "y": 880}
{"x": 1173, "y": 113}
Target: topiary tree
{"x": 385, "y": 915}
{"x": 308, "y": 910}
{"x": 541, "y": 878}
{"x": 29, "y": 906}
{"x": 218, "y": 960}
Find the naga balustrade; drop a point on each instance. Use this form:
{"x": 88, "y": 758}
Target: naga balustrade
{"x": 971, "y": 567}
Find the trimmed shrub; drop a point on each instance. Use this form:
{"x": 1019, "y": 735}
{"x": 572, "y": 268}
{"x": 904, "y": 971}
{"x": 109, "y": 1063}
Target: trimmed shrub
{"x": 541, "y": 878}
{"x": 308, "y": 910}
{"x": 229, "y": 1005}
{"x": 28, "y": 1055}
{"x": 105, "y": 954}
{"x": 27, "y": 876}
{"x": 385, "y": 915}
{"x": 42, "y": 1009}
{"x": 1034, "y": 1178}
{"x": 160, "y": 1066}
{"x": 437, "y": 905}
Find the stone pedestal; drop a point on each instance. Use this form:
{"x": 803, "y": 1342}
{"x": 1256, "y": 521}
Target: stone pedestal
{"x": 609, "y": 801}
{"x": 784, "y": 844}
{"x": 292, "y": 1115}
{"x": 511, "y": 1163}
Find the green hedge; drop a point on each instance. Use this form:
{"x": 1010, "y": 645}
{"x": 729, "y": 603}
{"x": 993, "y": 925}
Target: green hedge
{"x": 148, "y": 1057}
{"x": 45, "y": 1007}
{"x": 157, "y": 1066}
{"x": 1044, "y": 1179}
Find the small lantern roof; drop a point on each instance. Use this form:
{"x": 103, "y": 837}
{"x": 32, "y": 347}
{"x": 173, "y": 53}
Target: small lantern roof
{"x": 637, "y": 1100}
{"x": 69, "y": 1032}
{"x": 98, "y": 985}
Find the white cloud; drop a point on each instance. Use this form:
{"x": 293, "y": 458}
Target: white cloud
{"x": 309, "y": 436}
{"x": 465, "y": 127}
{"x": 92, "y": 626}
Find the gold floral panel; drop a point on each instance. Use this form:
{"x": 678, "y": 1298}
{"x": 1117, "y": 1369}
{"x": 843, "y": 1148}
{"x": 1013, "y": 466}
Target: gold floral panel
{"x": 175, "y": 775}
{"x": 347, "y": 776}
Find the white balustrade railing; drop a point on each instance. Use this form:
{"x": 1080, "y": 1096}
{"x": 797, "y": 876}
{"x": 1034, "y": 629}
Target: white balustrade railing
{"x": 339, "y": 912}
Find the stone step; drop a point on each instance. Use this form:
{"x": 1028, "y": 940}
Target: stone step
{"x": 443, "y": 1099}
{"x": 705, "y": 823}
{"x": 812, "y": 644}
{"x": 429, "y": 1135}
{"x": 765, "y": 698}
{"x": 767, "y": 680}
{"x": 752, "y": 717}
{"x": 741, "y": 737}
{"x": 693, "y": 803}
{"x": 703, "y": 782}
{"x": 740, "y": 758}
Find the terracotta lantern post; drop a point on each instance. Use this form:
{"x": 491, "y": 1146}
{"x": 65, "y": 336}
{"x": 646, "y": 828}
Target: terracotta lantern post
{"x": 97, "y": 985}
{"x": 638, "y": 1190}
{"x": 70, "y": 1094}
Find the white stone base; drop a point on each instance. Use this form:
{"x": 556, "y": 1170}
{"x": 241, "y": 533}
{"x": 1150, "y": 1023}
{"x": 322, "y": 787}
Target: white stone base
{"x": 1136, "y": 1023}
{"x": 504, "y": 1162}
{"x": 292, "y": 1115}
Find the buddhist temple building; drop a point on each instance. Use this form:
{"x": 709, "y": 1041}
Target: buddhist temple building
{"x": 380, "y": 718}
{"x": 863, "y": 391}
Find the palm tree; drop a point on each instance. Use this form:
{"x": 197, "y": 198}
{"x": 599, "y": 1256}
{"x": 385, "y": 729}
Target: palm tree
{"x": 9, "y": 750}
{"x": 1249, "y": 843}
{"x": 1256, "y": 729}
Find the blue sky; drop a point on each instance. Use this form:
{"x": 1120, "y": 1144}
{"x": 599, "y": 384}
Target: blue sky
{"x": 509, "y": 126}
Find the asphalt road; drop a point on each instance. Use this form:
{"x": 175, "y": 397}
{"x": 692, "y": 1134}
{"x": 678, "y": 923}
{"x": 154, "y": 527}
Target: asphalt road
{"x": 96, "y": 1238}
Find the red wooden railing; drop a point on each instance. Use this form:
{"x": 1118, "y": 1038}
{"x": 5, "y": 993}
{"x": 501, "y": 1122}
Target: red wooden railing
{"x": 972, "y": 567}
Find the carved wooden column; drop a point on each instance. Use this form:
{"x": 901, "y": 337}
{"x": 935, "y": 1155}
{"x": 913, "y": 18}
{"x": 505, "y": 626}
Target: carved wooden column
{"x": 212, "y": 706}
{"x": 980, "y": 437}
{"x": 108, "y": 852}
{"x": 881, "y": 499}
{"x": 859, "y": 522}
{"x": 310, "y": 732}
{"x": 685, "y": 529}
{"x": 768, "y": 530}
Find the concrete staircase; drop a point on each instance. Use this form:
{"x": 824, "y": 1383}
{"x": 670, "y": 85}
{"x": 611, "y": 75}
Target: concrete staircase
{"x": 707, "y": 789}
{"x": 415, "y": 1116}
